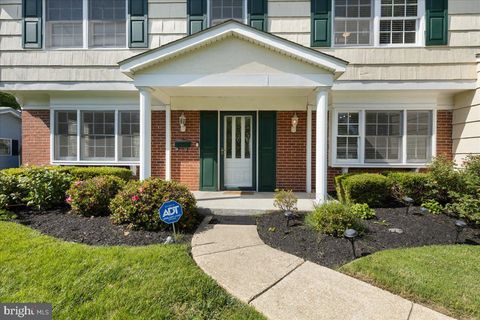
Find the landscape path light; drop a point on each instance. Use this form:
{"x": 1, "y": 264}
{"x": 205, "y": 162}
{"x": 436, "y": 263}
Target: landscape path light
{"x": 351, "y": 235}
{"x": 459, "y": 225}
{"x": 408, "y": 201}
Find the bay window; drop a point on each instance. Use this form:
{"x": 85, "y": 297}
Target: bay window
{"x": 377, "y": 137}
{"x": 378, "y": 22}
{"x": 96, "y": 136}
{"x": 85, "y": 24}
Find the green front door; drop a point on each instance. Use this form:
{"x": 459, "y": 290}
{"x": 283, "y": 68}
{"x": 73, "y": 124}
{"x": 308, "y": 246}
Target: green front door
{"x": 267, "y": 146}
{"x": 208, "y": 150}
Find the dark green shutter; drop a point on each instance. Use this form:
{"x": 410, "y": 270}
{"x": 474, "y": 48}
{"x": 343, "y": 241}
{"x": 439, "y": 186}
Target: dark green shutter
{"x": 208, "y": 150}
{"x": 437, "y": 22}
{"x": 267, "y": 146}
{"x": 257, "y": 14}
{"x": 138, "y": 23}
{"x": 197, "y": 15}
{"x": 15, "y": 148}
{"x": 32, "y": 24}
{"x": 321, "y": 23}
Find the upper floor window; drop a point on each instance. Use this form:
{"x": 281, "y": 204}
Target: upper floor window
{"x": 86, "y": 24}
{"x": 222, "y": 10}
{"x": 378, "y": 22}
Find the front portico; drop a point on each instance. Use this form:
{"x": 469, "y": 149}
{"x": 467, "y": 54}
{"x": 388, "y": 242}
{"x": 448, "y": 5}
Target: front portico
{"x": 239, "y": 90}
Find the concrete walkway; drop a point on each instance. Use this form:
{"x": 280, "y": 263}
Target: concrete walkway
{"x": 283, "y": 286}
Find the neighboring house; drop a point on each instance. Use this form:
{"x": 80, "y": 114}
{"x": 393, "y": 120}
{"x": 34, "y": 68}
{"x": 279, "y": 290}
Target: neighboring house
{"x": 243, "y": 93}
{"x": 10, "y": 137}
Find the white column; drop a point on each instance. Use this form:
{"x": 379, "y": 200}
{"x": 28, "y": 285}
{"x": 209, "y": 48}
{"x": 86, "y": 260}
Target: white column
{"x": 145, "y": 133}
{"x": 321, "y": 146}
{"x": 168, "y": 143}
{"x": 309, "y": 149}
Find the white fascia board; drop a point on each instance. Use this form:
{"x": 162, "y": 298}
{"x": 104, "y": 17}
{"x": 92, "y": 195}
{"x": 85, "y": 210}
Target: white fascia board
{"x": 404, "y": 85}
{"x": 234, "y": 80}
{"x": 67, "y": 86}
{"x": 131, "y": 65}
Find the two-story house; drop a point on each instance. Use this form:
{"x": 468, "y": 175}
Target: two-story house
{"x": 244, "y": 94}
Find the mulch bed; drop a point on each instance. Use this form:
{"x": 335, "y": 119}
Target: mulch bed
{"x": 98, "y": 231}
{"x": 332, "y": 252}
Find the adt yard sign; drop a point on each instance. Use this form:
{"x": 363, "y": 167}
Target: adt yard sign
{"x": 170, "y": 212}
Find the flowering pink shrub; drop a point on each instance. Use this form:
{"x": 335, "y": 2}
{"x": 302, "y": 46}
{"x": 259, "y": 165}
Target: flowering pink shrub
{"x": 92, "y": 196}
{"x": 138, "y": 202}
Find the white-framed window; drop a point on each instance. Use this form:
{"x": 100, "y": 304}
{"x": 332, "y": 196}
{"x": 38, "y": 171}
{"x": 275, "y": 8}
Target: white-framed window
{"x": 375, "y": 137}
{"x": 5, "y": 147}
{"x": 85, "y": 24}
{"x": 96, "y": 136}
{"x": 378, "y": 22}
{"x": 223, "y": 10}
{"x": 353, "y": 22}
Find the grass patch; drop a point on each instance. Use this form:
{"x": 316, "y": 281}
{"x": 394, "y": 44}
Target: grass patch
{"x": 444, "y": 277}
{"x": 85, "y": 282}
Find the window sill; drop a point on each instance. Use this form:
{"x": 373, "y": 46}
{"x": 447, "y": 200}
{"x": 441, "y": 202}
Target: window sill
{"x": 380, "y": 165}
{"x": 96, "y": 163}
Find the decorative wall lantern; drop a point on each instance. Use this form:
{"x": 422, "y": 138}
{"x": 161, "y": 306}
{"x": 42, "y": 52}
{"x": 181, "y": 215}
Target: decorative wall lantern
{"x": 294, "y": 123}
{"x": 183, "y": 122}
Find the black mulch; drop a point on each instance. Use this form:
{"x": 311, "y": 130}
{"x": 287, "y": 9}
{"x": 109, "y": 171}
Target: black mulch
{"x": 99, "y": 231}
{"x": 332, "y": 252}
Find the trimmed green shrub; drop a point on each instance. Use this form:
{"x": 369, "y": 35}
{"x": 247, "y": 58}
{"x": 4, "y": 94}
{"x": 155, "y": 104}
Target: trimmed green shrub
{"x": 370, "y": 188}
{"x": 465, "y": 206}
{"x": 410, "y": 184}
{"x": 444, "y": 178}
{"x": 10, "y": 191}
{"x": 44, "y": 188}
{"x": 339, "y": 186}
{"x": 92, "y": 196}
{"x": 433, "y": 206}
{"x": 333, "y": 218}
{"x": 471, "y": 174}
{"x": 362, "y": 211}
{"x": 84, "y": 173}
{"x": 6, "y": 215}
{"x": 78, "y": 173}
{"x": 138, "y": 202}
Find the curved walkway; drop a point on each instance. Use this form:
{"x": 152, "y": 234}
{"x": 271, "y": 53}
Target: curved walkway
{"x": 283, "y": 286}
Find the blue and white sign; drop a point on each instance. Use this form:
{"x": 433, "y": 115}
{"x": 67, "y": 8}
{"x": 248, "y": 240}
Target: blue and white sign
{"x": 170, "y": 212}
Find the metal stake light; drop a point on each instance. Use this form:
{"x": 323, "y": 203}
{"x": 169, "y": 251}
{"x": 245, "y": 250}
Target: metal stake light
{"x": 351, "y": 235}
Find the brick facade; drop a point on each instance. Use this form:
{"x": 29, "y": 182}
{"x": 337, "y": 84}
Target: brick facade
{"x": 158, "y": 144}
{"x": 186, "y": 162}
{"x": 291, "y": 147}
{"x": 291, "y": 151}
{"x": 444, "y": 133}
{"x": 36, "y": 137}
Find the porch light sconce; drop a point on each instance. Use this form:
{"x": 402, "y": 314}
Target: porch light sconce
{"x": 294, "y": 123}
{"x": 183, "y": 121}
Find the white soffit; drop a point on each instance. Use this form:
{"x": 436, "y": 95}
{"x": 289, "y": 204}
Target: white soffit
{"x": 233, "y": 29}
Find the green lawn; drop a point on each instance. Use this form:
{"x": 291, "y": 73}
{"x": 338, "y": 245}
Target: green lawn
{"x": 444, "y": 277}
{"x": 84, "y": 282}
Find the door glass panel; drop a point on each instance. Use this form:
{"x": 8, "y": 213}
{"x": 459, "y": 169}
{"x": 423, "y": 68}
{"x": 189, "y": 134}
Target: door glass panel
{"x": 248, "y": 136}
{"x": 238, "y": 137}
{"x": 228, "y": 139}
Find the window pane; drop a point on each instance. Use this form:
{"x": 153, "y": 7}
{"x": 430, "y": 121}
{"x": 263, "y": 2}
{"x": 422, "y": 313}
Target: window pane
{"x": 419, "y": 136}
{"x": 5, "y": 147}
{"x": 129, "y": 134}
{"x": 228, "y": 139}
{"x": 383, "y": 136}
{"x": 352, "y": 22}
{"x": 65, "y": 139}
{"x": 238, "y": 137}
{"x": 222, "y": 10}
{"x": 347, "y": 135}
{"x": 63, "y": 23}
{"x": 248, "y": 136}
{"x": 98, "y": 135}
{"x": 107, "y": 23}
